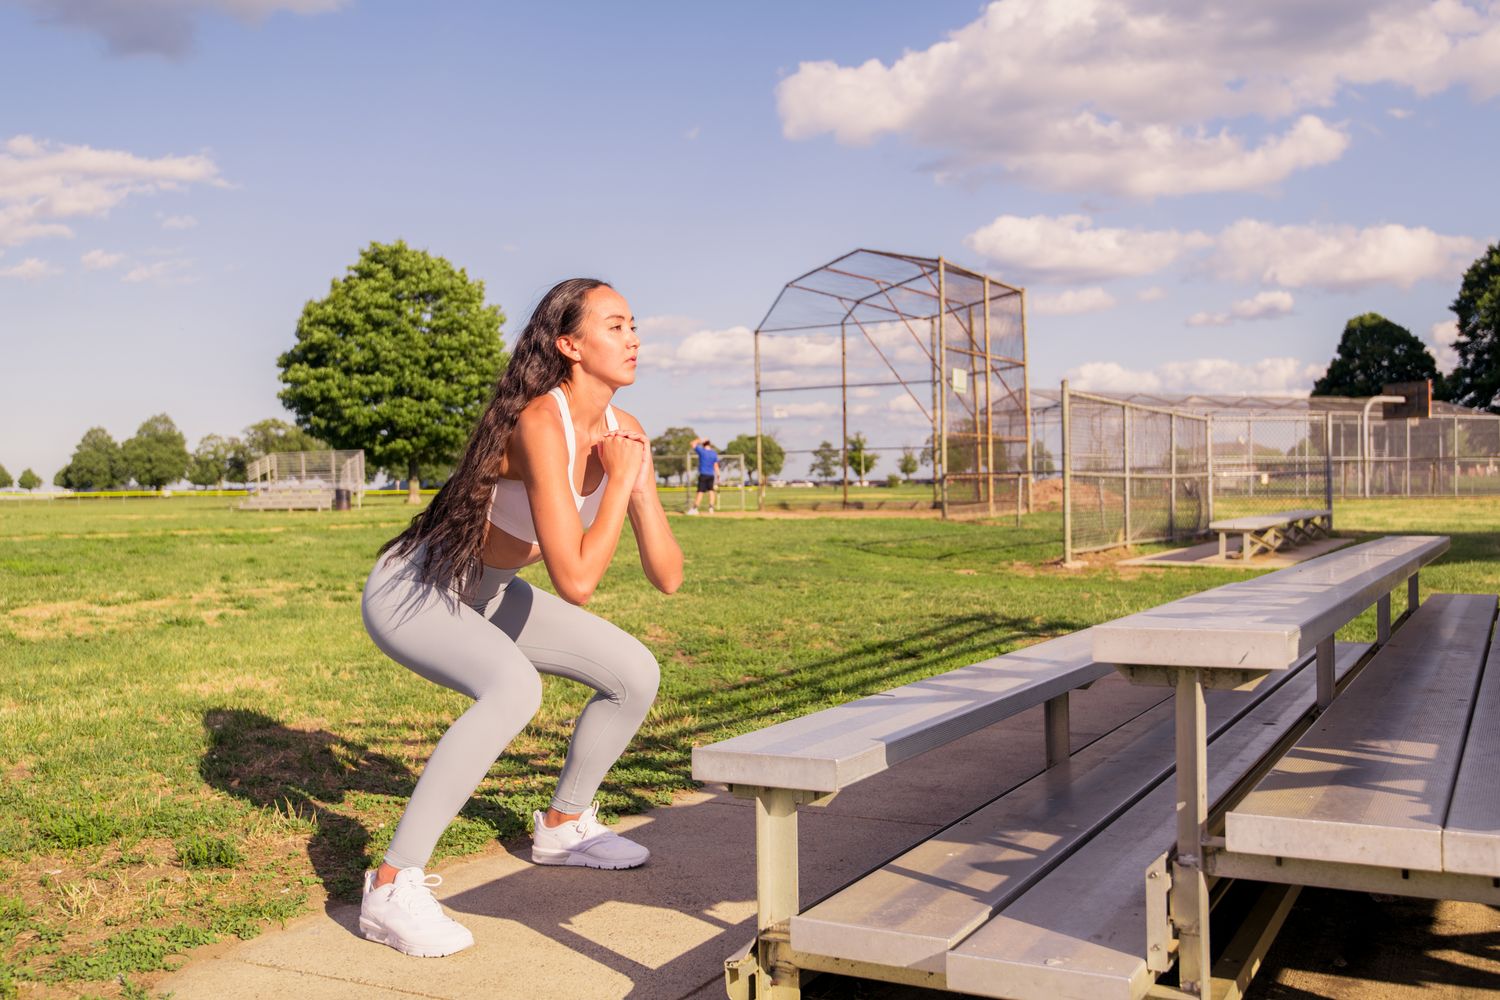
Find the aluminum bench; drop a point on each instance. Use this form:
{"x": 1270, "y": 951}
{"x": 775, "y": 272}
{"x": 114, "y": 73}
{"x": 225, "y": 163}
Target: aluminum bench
{"x": 1269, "y": 532}
{"x": 1070, "y": 884}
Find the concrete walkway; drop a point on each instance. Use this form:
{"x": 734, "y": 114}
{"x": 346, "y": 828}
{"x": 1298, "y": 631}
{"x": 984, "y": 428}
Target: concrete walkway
{"x": 660, "y": 932}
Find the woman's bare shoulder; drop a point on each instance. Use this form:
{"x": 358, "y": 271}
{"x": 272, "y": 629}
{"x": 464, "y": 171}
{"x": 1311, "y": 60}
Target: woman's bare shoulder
{"x": 627, "y": 420}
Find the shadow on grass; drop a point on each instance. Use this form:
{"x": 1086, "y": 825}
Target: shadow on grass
{"x": 308, "y": 774}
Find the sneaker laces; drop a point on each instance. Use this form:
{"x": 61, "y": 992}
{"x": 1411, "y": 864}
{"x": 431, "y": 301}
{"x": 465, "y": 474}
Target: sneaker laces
{"x": 588, "y": 824}
{"x": 415, "y": 895}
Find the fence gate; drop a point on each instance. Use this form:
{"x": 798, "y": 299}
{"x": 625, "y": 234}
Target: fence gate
{"x": 1132, "y": 473}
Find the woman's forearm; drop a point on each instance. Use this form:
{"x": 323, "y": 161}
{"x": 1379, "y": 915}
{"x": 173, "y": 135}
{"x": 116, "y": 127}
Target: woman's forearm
{"x": 661, "y": 556}
{"x": 576, "y": 578}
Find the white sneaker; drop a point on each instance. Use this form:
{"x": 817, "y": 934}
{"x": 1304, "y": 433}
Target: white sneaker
{"x": 583, "y": 841}
{"x": 404, "y": 915}
{"x": 710, "y": 509}
{"x": 692, "y": 510}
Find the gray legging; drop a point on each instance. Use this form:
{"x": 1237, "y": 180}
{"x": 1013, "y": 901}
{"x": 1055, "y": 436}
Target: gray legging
{"x": 490, "y": 647}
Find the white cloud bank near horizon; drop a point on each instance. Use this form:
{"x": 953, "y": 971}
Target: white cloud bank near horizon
{"x": 1269, "y": 376}
{"x": 1147, "y": 98}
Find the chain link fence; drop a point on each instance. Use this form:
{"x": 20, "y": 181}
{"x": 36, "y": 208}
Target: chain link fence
{"x": 1441, "y": 455}
{"x": 1131, "y": 473}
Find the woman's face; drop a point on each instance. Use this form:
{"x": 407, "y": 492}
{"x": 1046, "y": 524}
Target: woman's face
{"x": 608, "y": 346}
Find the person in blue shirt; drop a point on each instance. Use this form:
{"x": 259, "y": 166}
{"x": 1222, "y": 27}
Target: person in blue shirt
{"x": 708, "y": 472}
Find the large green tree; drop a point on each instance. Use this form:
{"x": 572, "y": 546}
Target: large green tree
{"x": 157, "y": 454}
{"x": 1373, "y": 352}
{"x": 29, "y": 480}
{"x": 396, "y": 359}
{"x": 1476, "y": 379}
{"x": 97, "y": 463}
{"x": 771, "y": 449}
{"x": 5, "y": 481}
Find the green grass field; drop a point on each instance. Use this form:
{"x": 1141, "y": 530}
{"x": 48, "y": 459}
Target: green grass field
{"x": 199, "y": 740}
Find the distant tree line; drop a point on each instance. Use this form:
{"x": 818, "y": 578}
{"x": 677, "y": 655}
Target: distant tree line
{"x": 157, "y": 456}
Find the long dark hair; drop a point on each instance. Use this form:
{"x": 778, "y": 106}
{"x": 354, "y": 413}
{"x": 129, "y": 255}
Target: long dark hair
{"x": 450, "y": 532}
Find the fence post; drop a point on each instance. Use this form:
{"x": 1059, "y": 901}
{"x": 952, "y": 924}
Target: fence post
{"x": 1328, "y": 463}
{"x": 1172, "y": 480}
{"x": 1208, "y": 440}
{"x": 1455, "y": 456}
{"x": 1067, "y": 471}
{"x": 1125, "y": 424}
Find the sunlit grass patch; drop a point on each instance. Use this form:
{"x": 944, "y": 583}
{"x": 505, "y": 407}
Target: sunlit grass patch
{"x": 199, "y": 740}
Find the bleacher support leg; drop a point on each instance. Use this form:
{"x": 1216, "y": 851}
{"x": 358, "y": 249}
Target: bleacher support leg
{"x": 1188, "y": 901}
{"x": 775, "y": 890}
{"x": 1383, "y": 619}
{"x": 1057, "y": 730}
{"x": 1413, "y": 592}
{"x": 1325, "y": 667}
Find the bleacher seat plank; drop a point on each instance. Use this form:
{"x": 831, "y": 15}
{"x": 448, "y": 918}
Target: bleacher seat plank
{"x": 1370, "y": 782}
{"x": 1471, "y": 837}
{"x": 1080, "y": 932}
{"x": 832, "y": 749}
{"x": 910, "y": 912}
{"x": 1271, "y": 621}
{"x": 1260, "y": 522}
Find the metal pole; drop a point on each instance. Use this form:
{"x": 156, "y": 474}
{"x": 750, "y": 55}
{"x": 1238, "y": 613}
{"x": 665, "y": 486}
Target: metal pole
{"x": 1188, "y": 899}
{"x": 1455, "y": 456}
{"x": 760, "y": 462}
{"x": 1067, "y": 475}
{"x": 844, "y": 405}
{"x": 1172, "y": 482}
{"x": 1208, "y": 431}
{"x": 1125, "y": 424}
{"x": 1026, "y": 400}
{"x": 932, "y": 440}
{"x": 989, "y": 411}
{"x": 943, "y": 372}
{"x": 1407, "y": 490}
{"x": 1328, "y": 462}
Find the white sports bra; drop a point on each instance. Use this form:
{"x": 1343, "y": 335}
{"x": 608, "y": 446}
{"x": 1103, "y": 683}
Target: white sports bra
{"x": 510, "y": 511}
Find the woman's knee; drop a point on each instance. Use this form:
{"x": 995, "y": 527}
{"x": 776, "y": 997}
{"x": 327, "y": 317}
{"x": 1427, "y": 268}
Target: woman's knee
{"x": 641, "y": 672}
{"x": 518, "y": 696}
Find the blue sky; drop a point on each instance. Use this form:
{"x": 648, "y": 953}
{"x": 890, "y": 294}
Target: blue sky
{"x": 1195, "y": 198}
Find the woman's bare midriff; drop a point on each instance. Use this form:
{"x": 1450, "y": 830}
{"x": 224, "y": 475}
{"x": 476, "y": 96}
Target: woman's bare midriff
{"x": 503, "y": 550}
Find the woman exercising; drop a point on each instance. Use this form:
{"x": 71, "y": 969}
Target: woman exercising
{"x": 550, "y": 474}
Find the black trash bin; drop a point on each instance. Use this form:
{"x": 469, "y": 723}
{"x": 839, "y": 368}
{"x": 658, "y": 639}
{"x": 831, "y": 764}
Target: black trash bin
{"x": 341, "y": 499}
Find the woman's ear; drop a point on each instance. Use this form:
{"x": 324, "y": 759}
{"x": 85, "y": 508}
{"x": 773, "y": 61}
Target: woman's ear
{"x": 568, "y": 349}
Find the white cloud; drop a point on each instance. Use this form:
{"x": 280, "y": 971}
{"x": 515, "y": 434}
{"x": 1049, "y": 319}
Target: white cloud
{"x": 734, "y": 348}
{"x": 179, "y": 222}
{"x": 1071, "y": 302}
{"x": 1266, "y": 305}
{"x": 1147, "y": 97}
{"x": 692, "y": 133}
{"x": 1340, "y": 258}
{"x": 30, "y": 269}
{"x": 160, "y": 27}
{"x": 1400, "y": 113}
{"x": 164, "y": 271}
{"x": 1206, "y": 375}
{"x": 99, "y": 260}
{"x": 1153, "y": 294}
{"x": 1443, "y": 335}
{"x": 1068, "y": 248}
{"x": 43, "y": 183}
